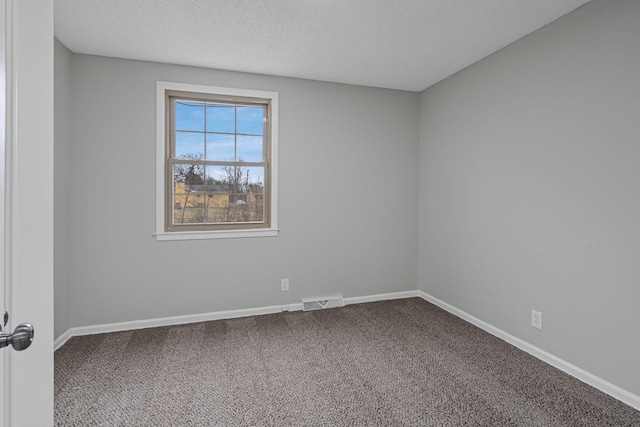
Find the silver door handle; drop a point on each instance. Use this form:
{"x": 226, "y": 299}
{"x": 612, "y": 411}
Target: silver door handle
{"x": 20, "y": 339}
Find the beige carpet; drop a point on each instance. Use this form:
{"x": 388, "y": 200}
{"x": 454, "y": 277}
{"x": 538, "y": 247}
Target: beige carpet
{"x": 392, "y": 363}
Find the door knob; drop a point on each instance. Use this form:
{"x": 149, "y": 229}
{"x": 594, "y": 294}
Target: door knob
{"x": 5, "y": 319}
{"x": 20, "y": 339}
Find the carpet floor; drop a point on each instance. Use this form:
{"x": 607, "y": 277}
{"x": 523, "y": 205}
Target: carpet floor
{"x": 391, "y": 363}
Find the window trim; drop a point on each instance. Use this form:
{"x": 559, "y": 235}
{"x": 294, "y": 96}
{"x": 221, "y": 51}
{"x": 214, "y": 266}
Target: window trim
{"x": 263, "y": 103}
{"x": 162, "y": 232}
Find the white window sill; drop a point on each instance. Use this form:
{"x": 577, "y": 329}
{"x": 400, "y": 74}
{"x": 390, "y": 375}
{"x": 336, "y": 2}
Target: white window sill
{"x": 230, "y": 234}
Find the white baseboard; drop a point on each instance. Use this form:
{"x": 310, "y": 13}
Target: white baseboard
{"x": 579, "y": 373}
{"x": 59, "y": 342}
{"x": 381, "y": 297}
{"x": 164, "y": 321}
{"x": 204, "y": 317}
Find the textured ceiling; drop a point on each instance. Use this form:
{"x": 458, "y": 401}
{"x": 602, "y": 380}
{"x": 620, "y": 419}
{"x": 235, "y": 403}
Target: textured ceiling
{"x": 401, "y": 44}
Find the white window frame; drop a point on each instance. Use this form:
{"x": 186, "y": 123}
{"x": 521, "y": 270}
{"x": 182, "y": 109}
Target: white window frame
{"x": 161, "y": 233}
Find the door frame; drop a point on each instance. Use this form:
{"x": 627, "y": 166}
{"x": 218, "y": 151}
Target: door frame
{"x": 4, "y": 42}
{"x": 5, "y": 203}
{"x": 28, "y": 375}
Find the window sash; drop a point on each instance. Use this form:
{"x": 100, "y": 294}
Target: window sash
{"x": 171, "y": 97}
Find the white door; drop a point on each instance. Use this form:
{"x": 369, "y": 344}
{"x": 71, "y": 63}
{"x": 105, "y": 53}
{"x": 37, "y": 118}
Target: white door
{"x": 28, "y": 239}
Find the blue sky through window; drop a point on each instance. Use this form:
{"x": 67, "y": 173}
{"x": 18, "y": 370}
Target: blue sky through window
{"x": 249, "y": 120}
{"x": 190, "y": 116}
{"x": 221, "y": 118}
{"x": 231, "y": 133}
{"x": 189, "y": 145}
{"x": 220, "y": 147}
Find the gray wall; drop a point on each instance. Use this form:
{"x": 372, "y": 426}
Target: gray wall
{"x": 61, "y": 209}
{"x": 348, "y": 204}
{"x": 529, "y": 185}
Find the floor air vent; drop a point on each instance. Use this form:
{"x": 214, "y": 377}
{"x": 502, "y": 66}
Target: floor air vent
{"x": 309, "y": 304}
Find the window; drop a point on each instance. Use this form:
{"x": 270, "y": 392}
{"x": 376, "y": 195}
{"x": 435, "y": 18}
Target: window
{"x": 216, "y": 162}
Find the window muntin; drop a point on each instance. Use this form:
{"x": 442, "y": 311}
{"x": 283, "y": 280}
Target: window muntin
{"x": 218, "y": 162}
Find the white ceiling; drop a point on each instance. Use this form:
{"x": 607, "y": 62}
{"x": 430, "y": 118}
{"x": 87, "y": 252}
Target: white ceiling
{"x": 398, "y": 44}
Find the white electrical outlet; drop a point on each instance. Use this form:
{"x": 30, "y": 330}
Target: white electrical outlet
{"x": 536, "y": 319}
{"x": 284, "y": 285}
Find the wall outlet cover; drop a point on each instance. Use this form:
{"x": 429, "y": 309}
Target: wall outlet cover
{"x": 536, "y": 319}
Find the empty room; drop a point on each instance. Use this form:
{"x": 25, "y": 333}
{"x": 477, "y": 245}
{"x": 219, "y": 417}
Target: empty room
{"x": 321, "y": 213}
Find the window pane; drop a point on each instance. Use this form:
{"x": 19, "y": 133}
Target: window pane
{"x": 249, "y": 212}
{"x": 188, "y": 208}
{"x": 254, "y": 177}
{"x": 188, "y": 214}
{"x": 249, "y": 148}
{"x": 189, "y": 145}
{"x": 250, "y": 120}
{"x": 188, "y": 178}
{"x": 219, "y": 208}
{"x": 220, "y": 147}
{"x": 218, "y": 178}
{"x": 189, "y": 115}
{"x": 250, "y": 200}
{"x": 234, "y": 194}
{"x": 220, "y": 118}
{"x": 188, "y": 194}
